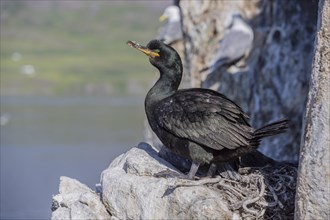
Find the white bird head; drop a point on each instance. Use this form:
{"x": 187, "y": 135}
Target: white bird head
{"x": 172, "y": 13}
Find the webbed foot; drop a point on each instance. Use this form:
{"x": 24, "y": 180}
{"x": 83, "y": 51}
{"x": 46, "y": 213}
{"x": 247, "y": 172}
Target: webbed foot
{"x": 227, "y": 171}
{"x": 172, "y": 174}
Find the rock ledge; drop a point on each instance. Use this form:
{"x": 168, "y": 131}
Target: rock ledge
{"x": 129, "y": 190}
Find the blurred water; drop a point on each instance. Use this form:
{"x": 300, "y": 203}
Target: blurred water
{"x": 46, "y": 138}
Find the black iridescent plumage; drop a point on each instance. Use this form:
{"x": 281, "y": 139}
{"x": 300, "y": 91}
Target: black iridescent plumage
{"x": 198, "y": 124}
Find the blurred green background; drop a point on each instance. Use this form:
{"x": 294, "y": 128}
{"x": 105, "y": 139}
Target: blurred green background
{"x": 76, "y": 47}
{"x": 72, "y": 93}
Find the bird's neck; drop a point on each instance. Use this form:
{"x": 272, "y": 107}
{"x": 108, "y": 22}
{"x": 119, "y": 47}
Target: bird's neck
{"x": 166, "y": 85}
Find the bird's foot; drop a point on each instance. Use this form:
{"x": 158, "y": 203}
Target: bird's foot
{"x": 212, "y": 170}
{"x": 230, "y": 174}
{"x": 167, "y": 174}
{"x": 173, "y": 174}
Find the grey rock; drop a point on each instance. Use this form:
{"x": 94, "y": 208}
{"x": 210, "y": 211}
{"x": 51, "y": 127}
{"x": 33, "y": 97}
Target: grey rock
{"x": 313, "y": 188}
{"x": 77, "y": 201}
{"x": 130, "y": 189}
{"x": 131, "y": 192}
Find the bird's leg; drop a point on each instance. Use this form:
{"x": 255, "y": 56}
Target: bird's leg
{"x": 212, "y": 170}
{"x": 227, "y": 171}
{"x": 193, "y": 170}
{"x": 169, "y": 174}
{"x": 172, "y": 174}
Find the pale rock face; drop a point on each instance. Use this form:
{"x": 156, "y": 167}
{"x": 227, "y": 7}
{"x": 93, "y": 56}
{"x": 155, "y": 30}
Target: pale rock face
{"x": 131, "y": 192}
{"x": 77, "y": 201}
{"x": 312, "y": 199}
{"x": 129, "y": 189}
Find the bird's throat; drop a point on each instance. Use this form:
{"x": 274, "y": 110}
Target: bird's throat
{"x": 163, "y": 88}
{"x": 167, "y": 84}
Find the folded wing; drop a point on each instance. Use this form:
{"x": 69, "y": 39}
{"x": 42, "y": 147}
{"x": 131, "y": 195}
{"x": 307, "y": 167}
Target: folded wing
{"x": 206, "y": 118}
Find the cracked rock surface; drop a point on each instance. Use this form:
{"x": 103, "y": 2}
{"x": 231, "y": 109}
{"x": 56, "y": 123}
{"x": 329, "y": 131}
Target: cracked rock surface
{"x": 77, "y": 201}
{"x": 130, "y": 191}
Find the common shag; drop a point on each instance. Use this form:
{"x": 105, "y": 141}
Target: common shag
{"x": 201, "y": 125}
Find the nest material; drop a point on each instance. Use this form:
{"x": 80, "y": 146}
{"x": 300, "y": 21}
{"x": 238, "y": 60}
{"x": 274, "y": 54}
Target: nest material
{"x": 262, "y": 193}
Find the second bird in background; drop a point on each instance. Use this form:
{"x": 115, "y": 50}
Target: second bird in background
{"x": 171, "y": 31}
{"x": 236, "y": 44}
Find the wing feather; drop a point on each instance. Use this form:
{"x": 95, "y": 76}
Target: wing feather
{"x": 205, "y": 117}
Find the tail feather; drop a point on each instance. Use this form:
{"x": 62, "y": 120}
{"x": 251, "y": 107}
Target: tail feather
{"x": 271, "y": 129}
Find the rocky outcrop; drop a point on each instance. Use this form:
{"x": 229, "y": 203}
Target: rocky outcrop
{"x": 77, "y": 201}
{"x": 313, "y": 191}
{"x": 130, "y": 190}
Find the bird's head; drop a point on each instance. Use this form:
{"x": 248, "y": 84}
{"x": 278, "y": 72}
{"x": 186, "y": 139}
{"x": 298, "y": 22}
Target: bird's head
{"x": 160, "y": 55}
{"x": 172, "y": 13}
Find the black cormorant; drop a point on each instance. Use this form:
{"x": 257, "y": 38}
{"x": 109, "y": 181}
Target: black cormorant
{"x": 198, "y": 124}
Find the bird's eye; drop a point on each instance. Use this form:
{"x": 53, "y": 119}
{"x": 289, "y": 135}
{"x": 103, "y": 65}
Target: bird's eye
{"x": 156, "y": 51}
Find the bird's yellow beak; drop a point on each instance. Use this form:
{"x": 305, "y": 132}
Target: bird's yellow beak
{"x": 163, "y": 18}
{"x": 143, "y": 49}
